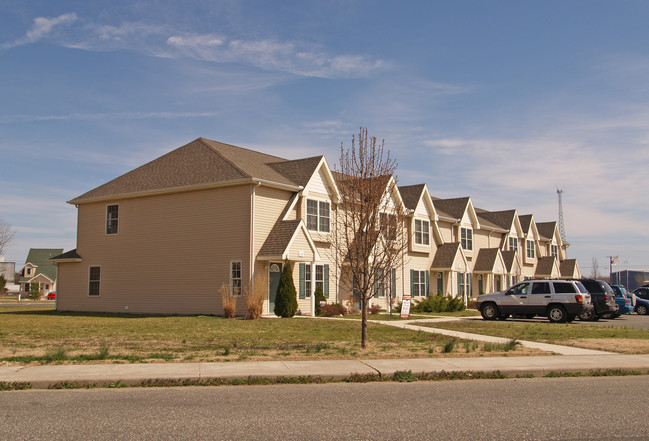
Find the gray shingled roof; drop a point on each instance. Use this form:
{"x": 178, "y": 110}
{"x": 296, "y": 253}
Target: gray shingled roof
{"x": 486, "y": 260}
{"x": 525, "y": 221}
{"x": 502, "y": 219}
{"x": 546, "y": 229}
{"x": 279, "y": 238}
{"x": 455, "y": 207}
{"x": 544, "y": 266}
{"x": 509, "y": 258}
{"x": 568, "y": 267}
{"x": 411, "y": 195}
{"x": 72, "y": 254}
{"x": 204, "y": 162}
{"x": 445, "y": 255}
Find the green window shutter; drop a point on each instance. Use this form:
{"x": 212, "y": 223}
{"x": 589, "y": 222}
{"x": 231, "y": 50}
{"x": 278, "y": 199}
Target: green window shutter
{"x": 394, "y": 283}
{"x": 326, "y": 281}
{"x": 427, "y": 282}
{"x": 459, "y": 283}
{"x": 412, "y": 281}
{"x": 302, "y": 284}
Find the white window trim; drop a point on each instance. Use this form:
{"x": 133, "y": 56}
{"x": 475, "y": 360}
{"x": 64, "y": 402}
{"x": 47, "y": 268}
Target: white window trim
{"x": 240, "y": 278}
{"x": 99, "y": 291}
{"x": 318, "y": 215}
{"x": 427, "y": 232}
{"x": 509, "y": 243}
{"x": 468, "y": 229}
{"x": 106, "y": 220}
{"x": 421, "y": 283}
{"x": 530, "y": 250}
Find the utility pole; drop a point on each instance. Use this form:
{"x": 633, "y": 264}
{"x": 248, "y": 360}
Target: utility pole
{"x": 562, "y": 228}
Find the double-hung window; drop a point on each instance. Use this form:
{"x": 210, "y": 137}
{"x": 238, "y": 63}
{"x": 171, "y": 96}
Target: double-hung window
{"x": 418, "y": 283}
{"x": 94, "y": 281}
{"x": 530, "y": 249}
{"x": 513, "y": 243}
{"x": 311, "y": 280}
{"x": 112, "y": 215}
{"x": 235, "y": 278}
{"x": 317, "y": 215}
{"x": 466, "y": 235}
{"x": 388, "y": 225}
{"x": 422, "y": 232}
{"x": 554, "y": 250}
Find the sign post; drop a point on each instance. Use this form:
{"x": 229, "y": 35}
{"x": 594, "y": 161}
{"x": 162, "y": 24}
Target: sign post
{"x": 405, "y": 306}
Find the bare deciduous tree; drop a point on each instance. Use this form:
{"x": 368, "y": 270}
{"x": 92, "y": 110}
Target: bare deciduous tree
{"x": 6, "y": 235}
{"x": 369, "y": 223}
{"x": 595, "y": 271}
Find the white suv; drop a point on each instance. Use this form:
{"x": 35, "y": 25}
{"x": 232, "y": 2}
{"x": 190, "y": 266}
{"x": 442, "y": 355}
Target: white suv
{"x": 559, "y": 300}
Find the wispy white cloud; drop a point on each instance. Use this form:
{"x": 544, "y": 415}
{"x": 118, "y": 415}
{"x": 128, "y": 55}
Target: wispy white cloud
{"x": 42, "y": 27}
{"x": 297, "y": 58}
{"x": 105, "y": 116}
{"x": 269, "y": 54}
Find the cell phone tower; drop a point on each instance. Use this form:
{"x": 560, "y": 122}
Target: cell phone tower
{"x": 562, "y": 228}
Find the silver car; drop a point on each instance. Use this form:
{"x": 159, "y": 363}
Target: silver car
{"x": 559, "y": 300}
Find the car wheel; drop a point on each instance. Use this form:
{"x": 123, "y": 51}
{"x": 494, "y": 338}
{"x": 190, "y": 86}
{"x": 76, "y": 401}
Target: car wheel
{"x": 557, "y": 314}
{"x": 589, "y": 315}
{"x": 641, "y": 309}
{"x": 490, "y": 311}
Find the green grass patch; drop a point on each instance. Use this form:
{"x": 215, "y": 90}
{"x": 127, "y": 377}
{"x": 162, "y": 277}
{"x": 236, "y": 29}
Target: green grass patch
{"x": 540, "y": 331}
{"x": 39, "y": 335}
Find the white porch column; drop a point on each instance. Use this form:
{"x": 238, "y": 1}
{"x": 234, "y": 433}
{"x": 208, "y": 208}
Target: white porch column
{"x": 313, "y": 289}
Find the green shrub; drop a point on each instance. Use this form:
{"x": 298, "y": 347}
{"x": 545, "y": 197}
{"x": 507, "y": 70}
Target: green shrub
{"x": 319, "y": 297}
{"x": 286, "y": 299}
{"x": 439, "y": 303}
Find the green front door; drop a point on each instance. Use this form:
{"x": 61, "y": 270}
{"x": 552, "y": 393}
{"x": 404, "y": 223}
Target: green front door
{"x": 274, "y": 274}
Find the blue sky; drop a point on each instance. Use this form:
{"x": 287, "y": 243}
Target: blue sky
{"x": 502, "y": 101}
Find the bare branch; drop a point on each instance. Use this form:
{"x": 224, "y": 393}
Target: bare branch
{"x": 370, "y": 221}
{"x": 6, "y": 235}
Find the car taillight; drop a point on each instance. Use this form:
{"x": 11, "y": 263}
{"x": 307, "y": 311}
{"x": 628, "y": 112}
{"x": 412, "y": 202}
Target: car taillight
{"x": 579, "y": 298}
{"x": 605, "y": 298}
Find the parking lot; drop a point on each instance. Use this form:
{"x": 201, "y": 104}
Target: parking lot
{"x": 626, "y": 320}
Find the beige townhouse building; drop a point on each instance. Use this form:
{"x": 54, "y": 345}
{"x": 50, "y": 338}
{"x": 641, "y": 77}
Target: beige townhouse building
{"x": 163, "y": 238}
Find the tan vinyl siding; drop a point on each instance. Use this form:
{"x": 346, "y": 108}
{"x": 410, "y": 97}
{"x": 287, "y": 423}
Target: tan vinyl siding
{"x": 269, "y": 204}
{"x": 171, "y": 254}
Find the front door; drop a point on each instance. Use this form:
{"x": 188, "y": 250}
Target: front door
{"x": 274, "y": 274}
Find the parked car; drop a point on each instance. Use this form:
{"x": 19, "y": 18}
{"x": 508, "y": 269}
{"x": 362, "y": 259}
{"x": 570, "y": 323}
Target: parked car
{"x": 559, "y": 300}
{"x": 51, "y": 295}
{"x": 623, "y": 299}
{"x": 602, "y": 298}
{"x": 641, "y": 306}
{"x": 641, "y": 300}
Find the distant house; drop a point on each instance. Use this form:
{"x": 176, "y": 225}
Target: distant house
{"x": 164, "y": 238}
{"x": 39, "y": 269}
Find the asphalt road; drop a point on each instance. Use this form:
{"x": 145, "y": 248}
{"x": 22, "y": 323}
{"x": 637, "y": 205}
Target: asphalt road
{"x": 523, "y": 409}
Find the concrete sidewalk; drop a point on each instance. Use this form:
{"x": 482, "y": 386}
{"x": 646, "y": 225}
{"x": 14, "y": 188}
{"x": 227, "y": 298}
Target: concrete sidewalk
{"x": 43, "y": 377}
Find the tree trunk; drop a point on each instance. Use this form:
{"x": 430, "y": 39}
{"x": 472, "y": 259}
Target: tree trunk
{"x": 363, "y": 320}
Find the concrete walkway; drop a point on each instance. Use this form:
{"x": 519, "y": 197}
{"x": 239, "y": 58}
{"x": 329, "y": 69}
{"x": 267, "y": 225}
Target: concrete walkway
{"x": 557, "y": 349}
{"x": 43, "y": 377}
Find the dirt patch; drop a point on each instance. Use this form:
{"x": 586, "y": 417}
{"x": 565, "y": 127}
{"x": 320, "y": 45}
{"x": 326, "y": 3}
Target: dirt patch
{"x": 620, "y": 345}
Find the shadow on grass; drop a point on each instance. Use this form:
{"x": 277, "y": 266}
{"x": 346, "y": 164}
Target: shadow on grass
{"x": 51, "y": 313}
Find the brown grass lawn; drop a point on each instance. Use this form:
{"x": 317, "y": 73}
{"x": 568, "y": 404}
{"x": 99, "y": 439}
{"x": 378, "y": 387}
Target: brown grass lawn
{"x": 39, "y": 335}
{"x": 606, "y": 338}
